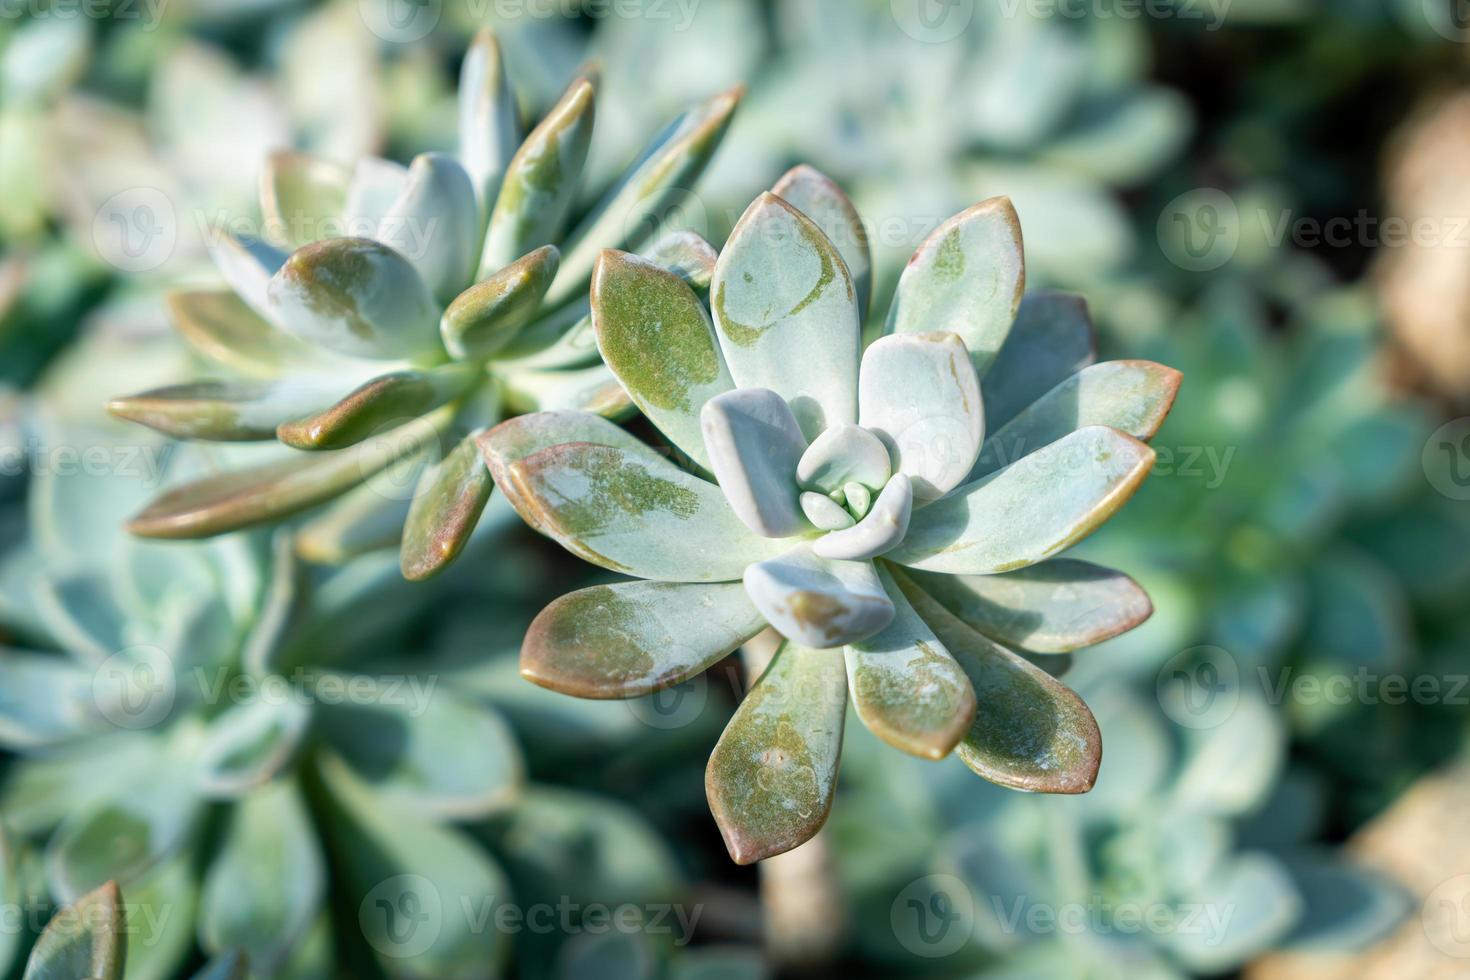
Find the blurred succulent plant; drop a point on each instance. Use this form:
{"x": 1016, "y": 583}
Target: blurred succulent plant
{"x": 859, "y": 504}
{"x": 449, "y": 307}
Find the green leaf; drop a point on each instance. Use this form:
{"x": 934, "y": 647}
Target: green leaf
{"x": 816, "y": 602}
{"x": 753, "y": 443}
{"x": 771, "y": 777}
{"x": 300, "y": 196}
{"x": 918, "y": 394}
{"x": 418, "y": 747}
{"x": 486, "y": 317}
{"x": 83, "y": 614}
{"x": 221, "y": 327}
{"x": 489, "y": 127}
{"x": 122, "y": 837}
{"x": 235, "y": 500}
{"x": 426, "y": 894}
{"x": 631, "y": 511}
{"x": 1053, "y": 338}
{"x": 365, "y": 519}
{"x": 376, "y": 406}
{"x": 591, "y": 389}
{"x": 1056, "y": 606}
{"x": 227, "y": 411}
{"x": 434, "y": 223}
{"x": 358, "y": 297}
{"x": 1346, "y": 908}
{"x": 267, "y": 881}
{"x": 655, "y": 335}
{"x": 668, "y": 169}
{"x": 45, "y": 699}
{"x": 906, "y": 686}
{"x": 85, "y": 939}
{"x": 1264, "y": 904}
{"x": 1130, "y": 396}
{"x": 283, "y": 606}
{"x": 160, "y": 912}
{"x": 818, "y": 197}
{"x": 967, "y": 279}
{"x": 250, "y": 744}
{"x": 542, "y": 180}
{"x": 1030, "y": 733}
{"x": 446, "y": 507}
{"x": 631, "y": 638}
{"x": 1031, "y": 510}
{"x": 786, "y": 314}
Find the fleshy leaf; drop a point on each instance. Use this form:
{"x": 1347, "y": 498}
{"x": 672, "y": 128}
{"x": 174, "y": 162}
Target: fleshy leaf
{"x": 753, "y": 443}
{"x": 247, "y": 265}
{"x": 843, "y": 454}
{"x": 376, "y": 185}
{"x": 824, "y": 512}
{"x": 906, "y": 686}
{"x": 301, "y": 195}
{"x": 123, "y": 835}
{"x": 218, "y": 324}
{"x": 655, "y": 335}
{"x": 1052, "y": 339}
{"x": 226, "y": 411}
{"x": 1053, "y": 607}
{"x": 880, "y": 529}
{"x": 967, "y": 279}
{"x": 234, "y": 500}
{"x": 1031, "y": 510}
{"x": 631, "y": 638}
{"x": 668, "y": 168}
{"x": 591, "y": 389}
{"x": 1130, "y": 396}
{"x": 355, "y": 296}
{"x": 919, "y": 395}
{"x": 541, "y": 181}
{"x": 483, "y": 319}
{"x": 771, "y": 777}
{"x": 87, "y": 939}
{"x": 249, "y": 744}
{"x": 447, "y": 505}
{"x": 267, "y": 880}
{"x": 1030, "y": 732}
{"x": 818, "y": 197}
{"x": 816, "y": 602}
{"x": 786, "y": 314}
{"x": 630, "y": 510}
{"x": 435, "y": 224}
{"x": 362, "y": 520}
{"x": 489, "y": 127}
{"x": 376, "y": 406}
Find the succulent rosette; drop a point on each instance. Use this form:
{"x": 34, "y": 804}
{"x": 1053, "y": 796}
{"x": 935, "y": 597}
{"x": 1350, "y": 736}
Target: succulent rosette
{"x": 850, "y": 500}
{"x": 389, "y": 313}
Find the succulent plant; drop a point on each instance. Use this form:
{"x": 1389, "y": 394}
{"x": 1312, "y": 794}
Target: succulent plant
{"x": 856, "y": 503}
{"x": 448, "y": 306}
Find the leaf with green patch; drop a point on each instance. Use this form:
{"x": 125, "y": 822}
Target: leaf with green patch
{"x": 771, "y": 776}
{"x": 906, "y": 686}
{"x": 786, "y": 314}
{"x": 1031, "y": 510}
{"x": 1052, "y": 339}
{"x": 967, "y": 279}
{"x": 1029, "y": 732}
{"x": 446, "y": 507}
{"x": 818, "y": 197}
{"x": 542, "y": 180}
{"x": 1055, "y": 606}
{"x": 267, "y": 880}
{"x": 357, "y": 297}
{"x": 301, "y": 195}
{"x": 655, "y": 335}
{"x": 1130, "y": 396}
{"x": 483, "y": 319}
{"x": 227, "y": 411}
{"x": 243, "y": 498}
{"x": 435, "y": 224}
{"x": 632, "y": 638}
{"x": 87, "y": 938}
{"x": 376, "y": 406}
{"x": 816, "y": 602}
